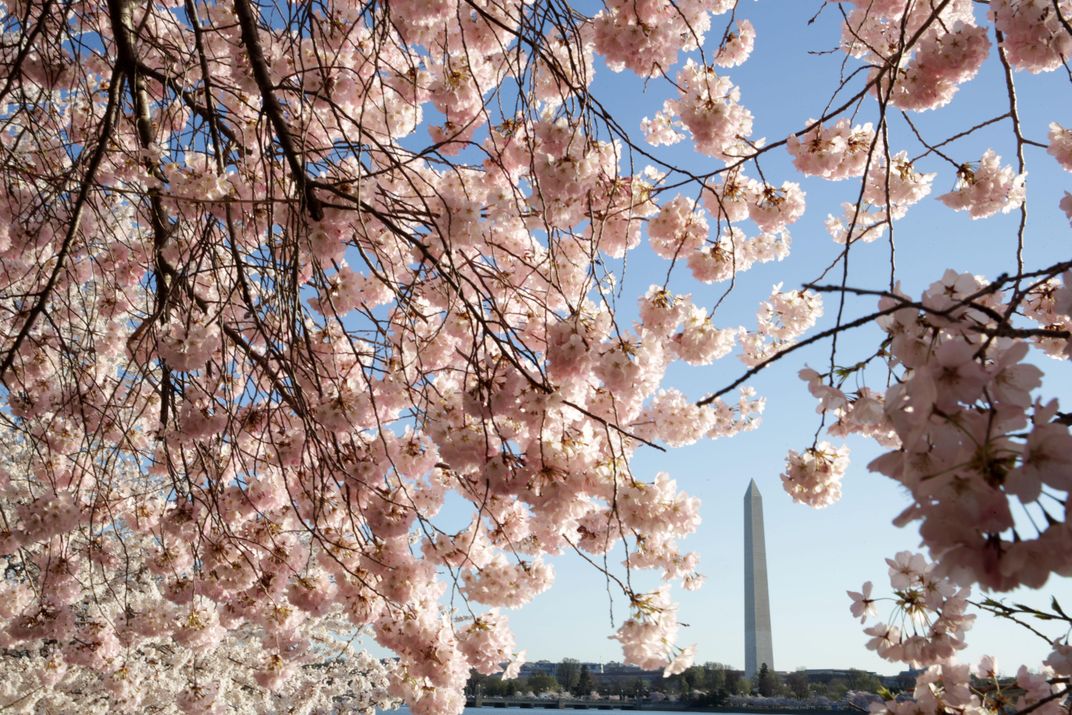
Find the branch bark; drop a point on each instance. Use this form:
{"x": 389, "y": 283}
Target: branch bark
{"x": 248, "y": 24}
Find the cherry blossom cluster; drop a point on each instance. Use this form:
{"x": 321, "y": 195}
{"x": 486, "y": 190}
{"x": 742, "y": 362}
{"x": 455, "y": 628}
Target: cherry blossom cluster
{"x": 277, "y": 288}
{"x": 814, "y": 477}
{"x": 1034, "y": 36}
{"x": 781, "y": 319}
{"x": 771, "y": 208}
{"x": 1060, "y": 147}
{"x": 709, "y": 107}
{"x": 987, "y": 435}
{"x": 897, "y": 185}
{"x": 950, "y": 688}
{"x": 843, "y": 151}
{"x": 681, "y": 231}
{"x": 890, "y": 189}
{"x": 1049, "y": 303}
{"x": 948, "y": 50}
{"x": 487, "y": 642}
{"x": 153, "y": 677}
{"x": 927, "y": 629}
{"x": 837, "y": 152}
{"x": 648, "y": 635}
{"x": 735, "y": 253}
{"x": 264, "y": 491}
{"x": 985, "y": 189}
{"x": 929, "y": 619}
{"x": 646, "y": 37}
{"x": 678, "y": 229}
{"x": 736, "y": 47}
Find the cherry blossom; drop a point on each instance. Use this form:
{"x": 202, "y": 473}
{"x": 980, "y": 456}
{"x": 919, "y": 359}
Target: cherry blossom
{"x": 984, "y": 190}
{"x": 646, "y": 38}
{"x": 648, "y": 635}
{"x": 736, "y": 46}
{"x": 814, "y": 477}
{"x": 929, "y": 619}
{"x": 837, "y": 152}
{"x": 1033, "y": 34}
{"x": 709, "y": 107}
{"x": 678, "y": 229}
{"x": 1060, "y": 145}
{"x": 313, "y": 319}
{"x": 862, "y": 603}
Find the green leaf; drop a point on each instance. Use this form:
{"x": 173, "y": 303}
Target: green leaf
{"x": 1041, "y": 615}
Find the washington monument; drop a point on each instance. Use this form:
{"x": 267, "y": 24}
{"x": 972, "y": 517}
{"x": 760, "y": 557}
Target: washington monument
{"x": 757, "y": 629}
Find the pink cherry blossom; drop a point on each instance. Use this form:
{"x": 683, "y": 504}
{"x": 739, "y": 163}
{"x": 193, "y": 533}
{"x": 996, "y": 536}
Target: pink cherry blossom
{"x": 1061, "y": 145}
{"x": 736, "y": 46}
{"x": 984, "y": 190}
{"x": 324, "y": 321}
{"x": 814, "y": 476}
{"x": 862, "y": 603}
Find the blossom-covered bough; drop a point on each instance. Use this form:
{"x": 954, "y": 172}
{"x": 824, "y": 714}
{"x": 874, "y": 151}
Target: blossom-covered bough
{"x": 276, "y": 279}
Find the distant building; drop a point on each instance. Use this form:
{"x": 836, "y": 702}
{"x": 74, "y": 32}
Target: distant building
{"x": 758, "y": 649}
{"x": 544, "y": 667}
{"x": 615, "y": 673}
{"x": 603, "y": 673}
{"x": 825, "y": 675}
{"x": 905, "y": 680}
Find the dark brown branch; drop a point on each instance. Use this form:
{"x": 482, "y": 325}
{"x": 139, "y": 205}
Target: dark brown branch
{"x": 250, "y": 39}
{"x": 1014, "y": 115}
{"x": 14, "y": 70}
{"x": 104, "y": 134}
{"x": 864, "y": 320}
{"x": 209, "y": 114}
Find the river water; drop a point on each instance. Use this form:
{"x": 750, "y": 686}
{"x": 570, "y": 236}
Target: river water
{"x": 546, "y": 711}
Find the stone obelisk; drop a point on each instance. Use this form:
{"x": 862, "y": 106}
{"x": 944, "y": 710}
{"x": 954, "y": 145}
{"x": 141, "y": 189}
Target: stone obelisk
{"x": 757, "y": 627}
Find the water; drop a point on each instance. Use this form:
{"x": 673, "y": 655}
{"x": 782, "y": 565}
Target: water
{"x": 536, "y": 711}
{"x": 590, "y": 711}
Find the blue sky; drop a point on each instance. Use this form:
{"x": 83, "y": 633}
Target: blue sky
{"x": 813, "y": 556}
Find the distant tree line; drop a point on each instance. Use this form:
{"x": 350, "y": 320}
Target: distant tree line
{"x": 710, "y": 684}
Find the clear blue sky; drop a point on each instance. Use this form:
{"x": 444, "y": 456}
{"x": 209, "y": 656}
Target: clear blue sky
{"x": 813, "y": 556}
